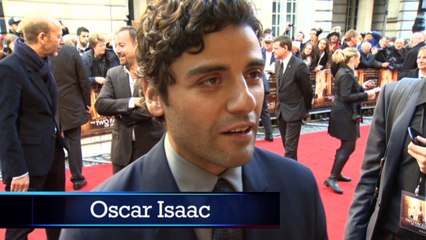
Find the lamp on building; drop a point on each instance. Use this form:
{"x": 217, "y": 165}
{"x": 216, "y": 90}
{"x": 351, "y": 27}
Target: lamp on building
{"x": 419, "y": 22}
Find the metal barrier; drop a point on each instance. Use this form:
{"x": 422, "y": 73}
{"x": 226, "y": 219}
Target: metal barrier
{"x": 322, "y": 87}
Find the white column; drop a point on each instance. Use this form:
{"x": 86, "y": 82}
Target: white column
{"x": 365, "y": 15}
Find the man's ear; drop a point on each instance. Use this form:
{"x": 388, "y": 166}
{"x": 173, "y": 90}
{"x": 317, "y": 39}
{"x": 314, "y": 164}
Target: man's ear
{"x": 41, "y": 38}
{"x": 152, "y": 99}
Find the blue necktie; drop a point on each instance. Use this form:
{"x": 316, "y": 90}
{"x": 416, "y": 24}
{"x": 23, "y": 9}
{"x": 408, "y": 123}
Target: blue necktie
{"x": 226, "y": 233}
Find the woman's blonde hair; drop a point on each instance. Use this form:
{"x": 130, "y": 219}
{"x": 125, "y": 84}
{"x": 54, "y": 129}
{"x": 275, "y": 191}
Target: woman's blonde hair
{"x": 343, "y": 56}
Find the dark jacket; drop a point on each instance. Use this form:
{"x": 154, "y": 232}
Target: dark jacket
{"x": 98, "y": 67}
{"x": 414, "y": 73}
{"x": 113, "y": 100}
{"x": 366, "y": 61}
{"x": 396, "y": 57}
{"x": 73, "y": 87}
{"x": 410, "y": 61}
{"x": 348, "y": 94}
{"x": 294, "y": 90}
{"x": 392, "y": 116}
{"x": 301, "y": 214}
{"x": 383, "y": 54}
{"x": 27, "y": 121}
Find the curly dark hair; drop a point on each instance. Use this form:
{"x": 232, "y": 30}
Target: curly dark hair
{"x": 169, "y": 28}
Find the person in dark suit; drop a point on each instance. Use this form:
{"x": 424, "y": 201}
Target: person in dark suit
{"x": 392, "y": 164}
{"x": 269, "y": 58}
{"x": 74, "y": 102}
{"x": 135, "y": 132}
{"x": 209, "y": 95}
{"x": 416, "y": 42}
{"x": 420, "y": 71}
{"x": 294, "y": 93}
{"x": 31, "y": 147}
{"x": 345, "y": 114}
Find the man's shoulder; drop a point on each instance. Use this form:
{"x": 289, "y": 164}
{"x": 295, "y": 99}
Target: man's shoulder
{"x": 298, "y": 64}
{"x": 138, "y": 176}
{"x": 419, "y": 45}
{"x": 114, "y": 72}
{"x": 126, "y": 179}
{"x": 296, "y": 60}
{"x": 11, "y": 62}
{"x": 69, "y": 49}
{"x": 281, "y": 174}
{"x": 88, "y": 55}
{"x": 277, "y": 163}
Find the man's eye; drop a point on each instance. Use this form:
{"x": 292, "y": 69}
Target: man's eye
{"x": 211, "y": 81}
{"x": 254, "y": 75}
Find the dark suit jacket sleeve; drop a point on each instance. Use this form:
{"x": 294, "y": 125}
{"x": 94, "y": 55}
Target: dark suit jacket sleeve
{"x": 361, "y": 209}
{"x": 11, "y": 152}
{"x": 82, "y": 77}
{"x": 304, "y": 82}
{"x": 108, "y": 104}
{"x": 135, "y": 116}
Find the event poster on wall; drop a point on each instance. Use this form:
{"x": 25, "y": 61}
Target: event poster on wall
{"x": 97, "y": 124}
{"x": 322, "y": 86}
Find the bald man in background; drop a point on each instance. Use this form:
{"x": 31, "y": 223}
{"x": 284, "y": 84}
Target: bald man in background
{"x": 31, "y": 146}
{"x": 416, "y": 42}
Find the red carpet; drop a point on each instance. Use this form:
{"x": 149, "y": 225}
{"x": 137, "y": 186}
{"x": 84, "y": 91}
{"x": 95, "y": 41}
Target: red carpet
{"x": 316, "y": 150}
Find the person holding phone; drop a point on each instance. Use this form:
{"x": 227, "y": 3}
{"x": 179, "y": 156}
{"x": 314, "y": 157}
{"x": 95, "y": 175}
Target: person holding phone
{"x": 393, "y": 163}
{"x": 345, "y": 113}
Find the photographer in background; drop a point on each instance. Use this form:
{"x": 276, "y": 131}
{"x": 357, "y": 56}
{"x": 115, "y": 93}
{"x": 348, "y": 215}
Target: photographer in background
{"x": 381, "y": 52}
{"x": 397, "y": 53}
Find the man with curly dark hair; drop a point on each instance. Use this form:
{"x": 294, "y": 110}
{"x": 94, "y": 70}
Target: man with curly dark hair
{"x": 202, "y": 66}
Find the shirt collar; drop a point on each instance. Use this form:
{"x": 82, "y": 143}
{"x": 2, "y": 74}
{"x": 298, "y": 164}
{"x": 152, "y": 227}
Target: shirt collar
{"x": 287, "y": 59}
{"x": 420, "y": 75}
{"x": 191, "y": 178}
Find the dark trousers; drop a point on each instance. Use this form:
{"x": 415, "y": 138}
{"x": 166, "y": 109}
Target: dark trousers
{"x": 347, "y": 147}
{"x": 290, "y": 133}
{"x": 265, "y": 117}
{"x": 54, "y": 180}
{"x": 75, "y": 157}
{"x": 136, "y": 153}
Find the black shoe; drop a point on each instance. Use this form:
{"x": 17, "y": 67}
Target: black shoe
{"x": 269, "y": 138}
{"x": 79, "y": 184}
{"x": 333, "y": 185}
{"x": 342, "y": 178}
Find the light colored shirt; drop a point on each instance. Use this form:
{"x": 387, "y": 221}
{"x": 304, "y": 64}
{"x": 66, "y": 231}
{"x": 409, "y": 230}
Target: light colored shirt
{"x": 191, "y": 178}
{"x": 286, "y": 61}
{"x": 421, "y": 75}
{"x": 131, "y": 105}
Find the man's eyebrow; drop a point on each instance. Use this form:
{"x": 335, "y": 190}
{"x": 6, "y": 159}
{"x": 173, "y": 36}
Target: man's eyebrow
{"x": 216, "y": 68}
{"x": 205, "y": 69}
{"x": 256, "y": 62}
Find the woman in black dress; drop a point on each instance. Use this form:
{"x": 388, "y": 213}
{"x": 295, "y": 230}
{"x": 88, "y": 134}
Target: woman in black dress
{"x": 345, "y": 111}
